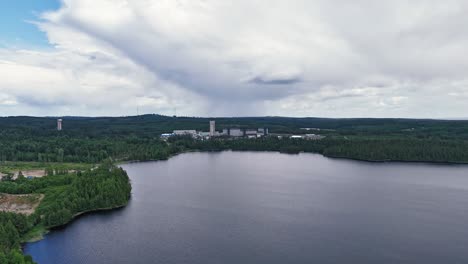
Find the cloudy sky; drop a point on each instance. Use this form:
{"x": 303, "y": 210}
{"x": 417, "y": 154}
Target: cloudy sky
{"x": 328, "y": 58}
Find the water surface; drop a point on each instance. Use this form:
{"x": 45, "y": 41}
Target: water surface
{"x": 262, "y": 207}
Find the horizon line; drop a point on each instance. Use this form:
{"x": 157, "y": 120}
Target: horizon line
{"x": 218, "y": 117}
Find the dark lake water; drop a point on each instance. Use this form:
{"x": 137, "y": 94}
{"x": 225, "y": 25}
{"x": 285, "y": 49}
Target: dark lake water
{"x": 245, "y": 207}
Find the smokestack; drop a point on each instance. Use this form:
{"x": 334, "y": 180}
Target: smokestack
{"x": 212, "y": 128}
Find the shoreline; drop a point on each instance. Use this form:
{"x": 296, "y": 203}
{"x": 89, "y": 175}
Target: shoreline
{"x": 42, "y": 230}
{"x": 448, "y": 163}
{"x": 389, "y": 161}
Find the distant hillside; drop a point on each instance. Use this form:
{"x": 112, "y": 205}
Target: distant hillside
{"x": 153, "y": 125}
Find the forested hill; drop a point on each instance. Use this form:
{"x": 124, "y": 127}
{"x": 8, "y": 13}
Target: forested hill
{"x": 92, "y": 140}
{"x": 153, "y": 125}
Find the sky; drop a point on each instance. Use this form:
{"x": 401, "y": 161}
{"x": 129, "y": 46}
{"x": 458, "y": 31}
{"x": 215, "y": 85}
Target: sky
{"x": 322, "y": 58}
{"x": 16, "y": 27}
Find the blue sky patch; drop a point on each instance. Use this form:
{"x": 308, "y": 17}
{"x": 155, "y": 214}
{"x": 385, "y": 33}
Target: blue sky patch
{"x": 15, "y": 30}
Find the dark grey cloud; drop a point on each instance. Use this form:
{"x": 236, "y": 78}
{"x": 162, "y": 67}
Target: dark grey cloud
{"x": 285, "y": 81}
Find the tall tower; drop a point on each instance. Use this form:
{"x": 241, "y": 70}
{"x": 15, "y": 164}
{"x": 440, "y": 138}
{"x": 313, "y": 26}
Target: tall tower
{"x": 212, "y": 128}
{"x": 59, "y": 124}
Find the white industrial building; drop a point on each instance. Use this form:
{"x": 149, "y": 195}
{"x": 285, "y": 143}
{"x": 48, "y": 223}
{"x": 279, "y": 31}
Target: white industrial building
{"x": 235, "y": 132}
{"x": 308, "y": 137}
{"x": 228, "y": 132}
{"x": 184, "y": 132}
{"x": 314, "y": 137}
{"x": 250, "y": 132}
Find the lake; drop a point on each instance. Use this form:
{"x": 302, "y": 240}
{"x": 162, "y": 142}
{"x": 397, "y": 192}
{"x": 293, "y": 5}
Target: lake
{"x": 266, "y": 207}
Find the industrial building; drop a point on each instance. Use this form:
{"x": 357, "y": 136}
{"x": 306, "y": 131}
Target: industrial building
{"x": 227, "y": 132}
{"x": 308, "y": 137}
{"x": 234, "y": 132}
{"x": 184, "y": 132}
{"x": 314, "y": 137}
{"x": 245, "y": 132}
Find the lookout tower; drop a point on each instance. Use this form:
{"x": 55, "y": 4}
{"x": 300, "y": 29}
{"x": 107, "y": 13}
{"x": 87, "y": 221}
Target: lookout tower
{"x": 59, "y": 124}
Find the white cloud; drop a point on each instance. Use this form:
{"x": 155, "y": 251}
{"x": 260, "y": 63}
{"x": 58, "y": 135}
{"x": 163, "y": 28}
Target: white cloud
{"x": 270, "y": 57}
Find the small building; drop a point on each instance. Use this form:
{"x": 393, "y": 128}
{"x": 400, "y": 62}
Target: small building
{"x": 204, "y": 134}
{"x": 166, "y": 135}
{"x": 261, "y": 132}
{"x": 236, "y": 132}
{"x": 251, "y": 132}
{"x": 314, "y": 137}
{"x": 185, "y": 132}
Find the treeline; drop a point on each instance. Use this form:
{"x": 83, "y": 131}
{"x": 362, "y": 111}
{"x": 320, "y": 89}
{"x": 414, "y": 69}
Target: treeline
{"x": 372, "y": 149}
{"x": 92, "y": 140}
{"x": 82, "y": 150}
{"x": 377, "y": 148}
{"x": 12, "y": 228}
{"x": 67, "y": 195}
{"x": 400, "y": 149}
{"x": 148, "y": 126}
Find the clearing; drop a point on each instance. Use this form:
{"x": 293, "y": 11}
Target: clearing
{"x": 20, "y": 203}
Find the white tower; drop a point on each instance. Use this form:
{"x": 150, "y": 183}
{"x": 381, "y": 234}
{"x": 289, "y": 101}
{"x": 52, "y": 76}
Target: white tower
{"x": 59, "y": 124}
{"x": 212, "y": 128}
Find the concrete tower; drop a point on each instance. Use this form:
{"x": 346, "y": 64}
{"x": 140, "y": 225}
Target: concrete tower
{"x": 212, "y": 128}
{"x": 59, "y": 124}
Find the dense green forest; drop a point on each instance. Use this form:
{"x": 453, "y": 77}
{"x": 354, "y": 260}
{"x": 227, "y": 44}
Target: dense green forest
{"x": 91, "y": 140}
{"x": 97, "y": 140}
{"x": 391, "y": 149}
{"x": 12, "y": 228}
{"x": 66, "y": 196}
{"x": 147, "y": 126}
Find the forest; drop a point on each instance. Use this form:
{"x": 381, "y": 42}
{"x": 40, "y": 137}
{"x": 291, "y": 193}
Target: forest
{"x": 147, "y": 126}
{"x": 66, "y": 195}
{"x": 35, "y": 141}
{"x": 92, "y": 140}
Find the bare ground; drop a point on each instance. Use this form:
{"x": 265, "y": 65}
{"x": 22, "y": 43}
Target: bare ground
{"x": 30, "y": 173}
{"x": 20, "y": 203}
